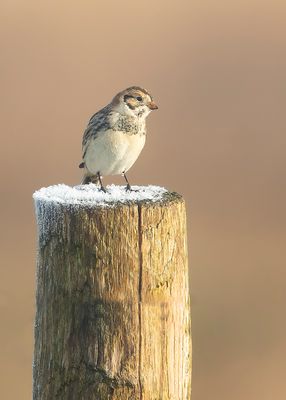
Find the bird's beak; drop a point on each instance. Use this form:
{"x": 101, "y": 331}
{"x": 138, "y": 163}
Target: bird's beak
{"x": 152, "y": 105}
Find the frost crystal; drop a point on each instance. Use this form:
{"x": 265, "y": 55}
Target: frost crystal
{"x": 90, "y": 195}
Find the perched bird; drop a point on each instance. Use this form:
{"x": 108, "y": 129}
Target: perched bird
{"x": 115, "y": 136}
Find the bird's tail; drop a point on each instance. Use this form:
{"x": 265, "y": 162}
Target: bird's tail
{"x": 89, "y": 179}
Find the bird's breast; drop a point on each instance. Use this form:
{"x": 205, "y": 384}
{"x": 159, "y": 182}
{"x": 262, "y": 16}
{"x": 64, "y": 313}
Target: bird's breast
{"x": 113, "y": 152}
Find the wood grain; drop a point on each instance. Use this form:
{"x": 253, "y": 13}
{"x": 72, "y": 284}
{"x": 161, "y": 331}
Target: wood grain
{"x": 113, "y": 314}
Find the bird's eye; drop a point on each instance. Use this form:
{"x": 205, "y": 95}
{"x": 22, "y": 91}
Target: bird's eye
{"x": 139, "y": 98}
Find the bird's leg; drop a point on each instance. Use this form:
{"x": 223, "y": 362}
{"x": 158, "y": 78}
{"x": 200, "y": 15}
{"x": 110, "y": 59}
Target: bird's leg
{"x": 100, "y": 181}
{"x": 128, "y": 187}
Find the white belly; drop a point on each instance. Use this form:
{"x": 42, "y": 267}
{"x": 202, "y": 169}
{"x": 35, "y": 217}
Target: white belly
{"x": 112, "y": 153}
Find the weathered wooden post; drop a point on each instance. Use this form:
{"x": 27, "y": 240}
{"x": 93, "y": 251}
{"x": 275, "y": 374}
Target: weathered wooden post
{"x": 113, "y": 313}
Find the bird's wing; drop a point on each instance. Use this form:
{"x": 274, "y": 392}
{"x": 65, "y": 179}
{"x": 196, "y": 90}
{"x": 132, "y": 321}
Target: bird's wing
{"x": 98, "y": 123}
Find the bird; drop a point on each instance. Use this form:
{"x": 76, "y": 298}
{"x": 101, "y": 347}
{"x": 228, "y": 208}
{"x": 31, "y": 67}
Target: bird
{"x": 115, "y": 136}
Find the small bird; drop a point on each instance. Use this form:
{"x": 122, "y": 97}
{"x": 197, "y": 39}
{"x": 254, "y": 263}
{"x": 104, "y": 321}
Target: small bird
{"x": 115, "y": 136}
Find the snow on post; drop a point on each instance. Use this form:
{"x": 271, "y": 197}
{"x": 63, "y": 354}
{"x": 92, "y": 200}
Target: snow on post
{"x": 112, "y": 305}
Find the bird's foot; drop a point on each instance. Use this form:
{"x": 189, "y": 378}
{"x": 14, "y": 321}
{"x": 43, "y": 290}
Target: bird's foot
{"x": 102, "y": 189}
{"x": 129, "y": 188}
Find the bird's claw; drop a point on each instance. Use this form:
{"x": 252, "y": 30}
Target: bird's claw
{"x": 129, "y": 189}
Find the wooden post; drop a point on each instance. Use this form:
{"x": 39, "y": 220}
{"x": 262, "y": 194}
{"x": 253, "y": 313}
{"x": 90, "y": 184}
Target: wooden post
{"x": 112, "y": 305}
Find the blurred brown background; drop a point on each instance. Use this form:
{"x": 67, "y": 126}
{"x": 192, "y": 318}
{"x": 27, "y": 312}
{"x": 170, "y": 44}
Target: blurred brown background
{"x": 217, "y": 71}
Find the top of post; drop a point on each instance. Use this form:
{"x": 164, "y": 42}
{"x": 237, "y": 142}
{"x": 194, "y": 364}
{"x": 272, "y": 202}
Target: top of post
{"x": 91, "y": 196}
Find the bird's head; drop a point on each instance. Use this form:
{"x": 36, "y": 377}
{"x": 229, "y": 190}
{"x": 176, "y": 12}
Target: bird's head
{"x": 134, "y": 101}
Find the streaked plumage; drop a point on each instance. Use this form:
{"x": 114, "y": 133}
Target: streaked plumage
{"x": 115, "y": 135}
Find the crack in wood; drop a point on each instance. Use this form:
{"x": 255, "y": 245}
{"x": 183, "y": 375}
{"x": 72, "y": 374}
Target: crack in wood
{"x": 140, "y": 297}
